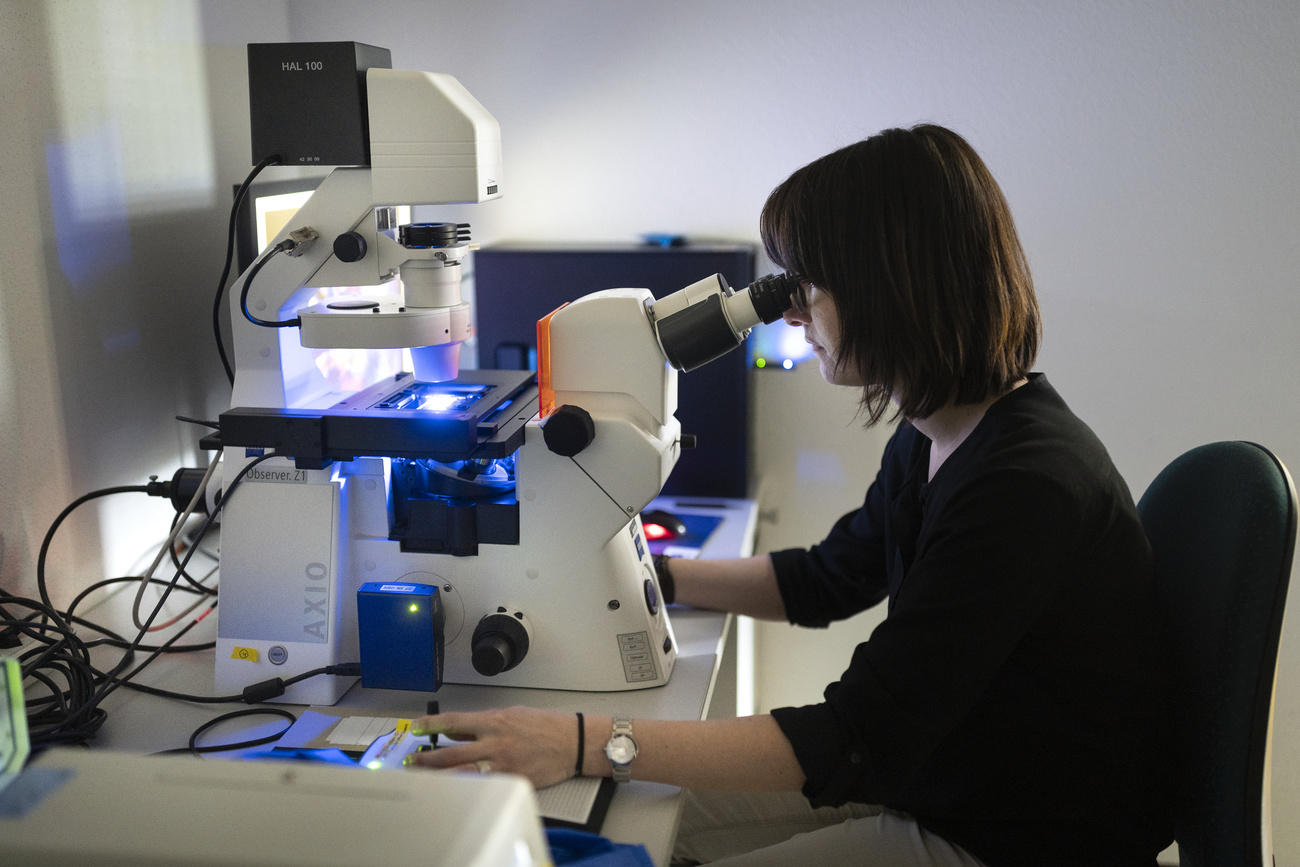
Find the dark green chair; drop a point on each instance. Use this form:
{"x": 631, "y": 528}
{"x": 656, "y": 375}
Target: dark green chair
{"x": 1222, "y": 524}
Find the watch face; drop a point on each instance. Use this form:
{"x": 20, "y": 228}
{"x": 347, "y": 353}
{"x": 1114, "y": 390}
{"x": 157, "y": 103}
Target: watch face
{"x": 621, "y": 749}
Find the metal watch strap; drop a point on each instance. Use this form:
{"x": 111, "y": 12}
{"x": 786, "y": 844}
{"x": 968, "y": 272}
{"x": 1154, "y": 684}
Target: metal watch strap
{"x": 622, "y": 727}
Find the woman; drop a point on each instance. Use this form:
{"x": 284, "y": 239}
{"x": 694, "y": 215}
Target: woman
{"x": 1009, "y": 709}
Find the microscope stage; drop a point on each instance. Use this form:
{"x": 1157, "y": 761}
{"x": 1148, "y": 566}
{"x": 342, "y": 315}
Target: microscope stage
{"x": 480, "y": 414}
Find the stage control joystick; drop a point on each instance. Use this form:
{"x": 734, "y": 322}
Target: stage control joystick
{"x": 499, "y": 643}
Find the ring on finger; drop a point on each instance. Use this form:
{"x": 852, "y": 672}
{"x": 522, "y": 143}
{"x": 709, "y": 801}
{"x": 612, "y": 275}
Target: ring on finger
{"x": 484, "y": 766}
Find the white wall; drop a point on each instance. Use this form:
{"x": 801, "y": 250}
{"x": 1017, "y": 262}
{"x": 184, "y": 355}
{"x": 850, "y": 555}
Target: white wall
{"x": 124, "y": 125}
{"x": 1148, "y": 150}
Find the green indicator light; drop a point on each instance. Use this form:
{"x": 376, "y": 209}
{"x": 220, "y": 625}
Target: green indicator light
{"x": 414, "y": 608}
{"x": 760, "y": 362}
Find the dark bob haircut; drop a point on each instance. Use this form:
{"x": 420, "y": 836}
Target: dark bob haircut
{"x": 910, "y": 235}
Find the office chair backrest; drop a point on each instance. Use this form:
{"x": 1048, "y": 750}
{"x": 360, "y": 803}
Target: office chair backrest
{"x": 1222, "y": 524}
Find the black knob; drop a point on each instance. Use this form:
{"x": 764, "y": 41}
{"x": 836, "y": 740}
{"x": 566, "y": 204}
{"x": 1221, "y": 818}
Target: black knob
{"x": 651, "y": 596}
{"x": 350, "y": 247}
{"x": 568, "y": 430}
{"x": 499, "y": 643}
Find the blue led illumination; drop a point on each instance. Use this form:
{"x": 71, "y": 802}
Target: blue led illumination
{"x": 440, "y": 402}
{"x": 434, "y": 397}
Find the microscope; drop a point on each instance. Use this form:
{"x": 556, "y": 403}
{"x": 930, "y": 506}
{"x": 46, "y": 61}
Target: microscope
{"x": 508, "y": 502}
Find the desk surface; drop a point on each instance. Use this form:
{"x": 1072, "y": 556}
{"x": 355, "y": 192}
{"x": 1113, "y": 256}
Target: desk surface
{"x": 641, "y": 812}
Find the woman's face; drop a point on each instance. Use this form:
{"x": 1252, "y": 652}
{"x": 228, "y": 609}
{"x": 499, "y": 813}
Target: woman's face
{"x": 814, "y": 310}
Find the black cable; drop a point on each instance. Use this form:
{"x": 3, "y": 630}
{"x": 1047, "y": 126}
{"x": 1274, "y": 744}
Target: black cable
{"x": 51, "y": 659}
{"x": 81, "y": 676}
{"x": 86, "y": 711}
{"x": 254, "y": 693}
{"x": 111, "y": 681}
{"x": 257, "y": 742}
{"x": 279, "y": 248}
{"x": 19, "y": 625}
{"x": 49, "y": 536}
{"x": 8, "y": 621}
{"x": 37, "y": 657}
{"x": 230, "y": 256}
{"x": 112, "y": 639}
{"x": 196, "y": 585}
{"x": 263, "y": 691}
{"x": 55, "y": 694}
{"x": 59, "y": 660}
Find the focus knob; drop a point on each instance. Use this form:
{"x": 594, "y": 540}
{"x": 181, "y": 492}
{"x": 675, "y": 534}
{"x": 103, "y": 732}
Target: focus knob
{"x": 350, "y": 247}
{"x": 568, "y": 430}
{"x": 499, "y": 643}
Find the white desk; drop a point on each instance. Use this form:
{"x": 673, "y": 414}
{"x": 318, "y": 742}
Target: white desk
{"x": 702, "y": 686}
{"x": 640, "y": 812}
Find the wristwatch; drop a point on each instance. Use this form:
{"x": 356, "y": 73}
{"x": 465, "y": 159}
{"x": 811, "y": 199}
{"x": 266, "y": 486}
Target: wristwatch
{"x": 621, "y": 749}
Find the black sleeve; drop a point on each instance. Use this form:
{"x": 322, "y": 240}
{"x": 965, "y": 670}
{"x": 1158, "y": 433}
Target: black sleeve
{"x": 973, "y": 592}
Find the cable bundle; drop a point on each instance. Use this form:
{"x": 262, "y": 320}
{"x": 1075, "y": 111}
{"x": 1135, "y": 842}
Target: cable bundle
{"x": 65, "y": 689}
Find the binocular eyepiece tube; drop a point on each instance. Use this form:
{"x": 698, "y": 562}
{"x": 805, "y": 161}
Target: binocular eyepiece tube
{"x": 708, "y": 319}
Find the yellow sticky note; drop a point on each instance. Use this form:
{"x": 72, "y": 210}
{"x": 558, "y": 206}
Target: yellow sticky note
{"x": 248, "y": 654}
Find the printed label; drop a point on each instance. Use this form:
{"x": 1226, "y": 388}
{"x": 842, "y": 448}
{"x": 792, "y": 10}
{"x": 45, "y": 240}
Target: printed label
{"x": 638, "y": 659}
{"x": 289, "y": 475}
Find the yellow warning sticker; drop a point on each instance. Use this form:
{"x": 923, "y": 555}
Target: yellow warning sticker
{"x": 248, "y": 654}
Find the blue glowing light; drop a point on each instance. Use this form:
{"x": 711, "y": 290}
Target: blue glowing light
{"x": 440, "y": 401}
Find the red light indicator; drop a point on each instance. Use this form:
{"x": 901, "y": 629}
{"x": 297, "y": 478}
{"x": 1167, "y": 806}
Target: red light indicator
{"x": 654, "y": 532}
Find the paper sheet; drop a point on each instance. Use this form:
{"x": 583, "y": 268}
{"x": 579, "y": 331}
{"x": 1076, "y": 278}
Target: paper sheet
{"x": 570, "y": 801}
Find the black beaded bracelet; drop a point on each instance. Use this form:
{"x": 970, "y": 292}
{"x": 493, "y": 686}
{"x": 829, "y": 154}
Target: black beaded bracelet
{"x": 667, "y": 590}
{"x": 582, "y": 736}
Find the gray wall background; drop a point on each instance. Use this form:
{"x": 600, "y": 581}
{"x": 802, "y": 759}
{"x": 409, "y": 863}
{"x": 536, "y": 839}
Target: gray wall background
{"x": 1149, "y": 151}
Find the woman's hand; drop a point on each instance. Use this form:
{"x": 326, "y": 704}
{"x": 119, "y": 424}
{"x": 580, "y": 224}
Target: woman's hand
{"x": 541, "y": 745}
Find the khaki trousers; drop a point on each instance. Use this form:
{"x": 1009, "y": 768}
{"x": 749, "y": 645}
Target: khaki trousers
{"x": 776, "y": 829}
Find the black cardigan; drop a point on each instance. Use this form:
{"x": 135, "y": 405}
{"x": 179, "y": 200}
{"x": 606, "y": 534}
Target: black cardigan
{"x": 1013, "y": 699}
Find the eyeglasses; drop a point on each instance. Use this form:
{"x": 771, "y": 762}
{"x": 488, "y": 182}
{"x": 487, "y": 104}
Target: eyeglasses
{"x": 799, "y": 296}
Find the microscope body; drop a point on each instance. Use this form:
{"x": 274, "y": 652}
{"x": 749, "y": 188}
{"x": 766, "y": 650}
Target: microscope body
{"x": 565, "y": 597}
{"x": 515, "y": 496}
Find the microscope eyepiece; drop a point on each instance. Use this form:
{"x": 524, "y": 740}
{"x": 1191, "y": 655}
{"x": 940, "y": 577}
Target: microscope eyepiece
{"x": 706, "y": 319}
{"x": 770, "y": 295}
